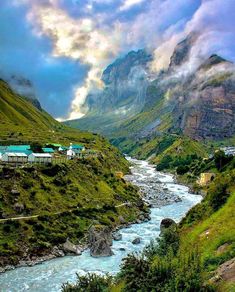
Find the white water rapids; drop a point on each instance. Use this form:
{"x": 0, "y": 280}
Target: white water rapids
{"x": 49, "y": 276}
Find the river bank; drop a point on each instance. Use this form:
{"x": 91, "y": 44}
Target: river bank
{"x": 51, "y": 274}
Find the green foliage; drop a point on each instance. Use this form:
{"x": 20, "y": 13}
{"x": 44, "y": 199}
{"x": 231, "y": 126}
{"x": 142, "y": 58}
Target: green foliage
{"x": 165, "y": 163}
{"x": 221, "y": 159}
{"x": 182, "y": 169}
{"x": 89, "y": 283}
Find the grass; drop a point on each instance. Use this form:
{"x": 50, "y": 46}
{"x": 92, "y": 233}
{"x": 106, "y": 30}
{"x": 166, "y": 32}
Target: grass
{"x": 68, "y": 197}
{"x": 212, "y": 233}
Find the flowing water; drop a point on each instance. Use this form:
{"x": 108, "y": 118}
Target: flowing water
{"x": 49, "y": 276}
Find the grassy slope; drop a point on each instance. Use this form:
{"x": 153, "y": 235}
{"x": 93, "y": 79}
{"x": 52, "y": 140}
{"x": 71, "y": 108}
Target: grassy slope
{"x": 81, "y": 191}
{"x": 21, "y": 122}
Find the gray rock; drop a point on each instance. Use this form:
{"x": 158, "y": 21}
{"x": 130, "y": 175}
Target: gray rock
{"x": 15, "y": 192}
{"x": 57, "y": 252}
{"x": 122, "y": 220}
{"x": 100, "y": 240}
{"x": 117, "y": 236}
{"x": 122, "y": 249}
{"x": 18, "y": 207}
{"x": 136, "y": 241}
{"x": 68, "y": 247}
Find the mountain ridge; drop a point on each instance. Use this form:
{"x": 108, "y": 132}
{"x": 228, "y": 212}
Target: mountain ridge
{"x": 199, "y": 103}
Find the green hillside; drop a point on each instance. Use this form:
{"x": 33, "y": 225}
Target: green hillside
{"x": 43, "y": 205}
{"x": 21, "y": 122}
{"x": 198, "y": 254}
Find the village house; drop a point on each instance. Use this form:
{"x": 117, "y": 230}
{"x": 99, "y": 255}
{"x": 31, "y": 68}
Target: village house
{"x": 11, "y": 157}
{"x": 40, "y": 158}
{"x": 77, "y": 148}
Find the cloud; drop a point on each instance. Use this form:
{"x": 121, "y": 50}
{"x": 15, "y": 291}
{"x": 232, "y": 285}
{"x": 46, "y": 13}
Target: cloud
{"x": 77, "y": 39}
{"x": 214, "y": 20}
{"x": 127, "y": 4}
{"x": 66, "y": 44}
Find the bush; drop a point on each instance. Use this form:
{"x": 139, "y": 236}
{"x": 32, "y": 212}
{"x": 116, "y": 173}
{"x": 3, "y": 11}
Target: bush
{"x": 89, "y": 283}
{"x": 165, "y": 163}
{"x": 182, "y": 169}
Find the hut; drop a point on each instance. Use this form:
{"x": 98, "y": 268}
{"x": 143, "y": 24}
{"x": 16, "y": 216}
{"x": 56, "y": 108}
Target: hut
{"x": 40, "y": 158}
{"x": 13, "y": 157}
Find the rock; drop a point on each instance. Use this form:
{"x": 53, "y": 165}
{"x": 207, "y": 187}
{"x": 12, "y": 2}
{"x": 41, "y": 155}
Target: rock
{"x": 15, "y": 192}
{"x": 57, "y": 252}
{"x": 136, "y": 241}
{"x": 122, "y": 249}
{"x": 117, "y": 236}
{"x": 18, "y": 207}
{"x": 166, "y": 223}
{"x": 223, "y": 248}
{"x": 121, "y": 219}
{"x": 177, "y": 200}
{"x": 225, "y": 272}
{"x": 100, "y": 240}
{"x": 68, "y": 247}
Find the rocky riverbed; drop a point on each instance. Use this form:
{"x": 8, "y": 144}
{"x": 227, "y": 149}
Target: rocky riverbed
{"x": 167, "y": 200}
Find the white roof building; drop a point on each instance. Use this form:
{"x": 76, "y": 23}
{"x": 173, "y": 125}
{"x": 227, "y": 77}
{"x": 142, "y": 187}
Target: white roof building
{"x": 14, "y": 157}
{"x": 40, "y": 157}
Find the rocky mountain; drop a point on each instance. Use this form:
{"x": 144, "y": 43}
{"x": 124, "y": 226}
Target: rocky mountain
{"x": 23, "y": 87}
{"x": 125, "y": 84}
{"x": 198, "y": 100}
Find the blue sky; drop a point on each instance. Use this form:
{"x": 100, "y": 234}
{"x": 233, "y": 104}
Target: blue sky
{"x": 63, "y": 46}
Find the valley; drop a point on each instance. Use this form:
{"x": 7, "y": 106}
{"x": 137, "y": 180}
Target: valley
{"x": 117, "y": 146}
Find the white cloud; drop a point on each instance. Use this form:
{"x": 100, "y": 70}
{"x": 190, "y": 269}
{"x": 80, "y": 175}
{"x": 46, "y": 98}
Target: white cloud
{"x": 78, "y": 39}
{"x": 127, "y": 4}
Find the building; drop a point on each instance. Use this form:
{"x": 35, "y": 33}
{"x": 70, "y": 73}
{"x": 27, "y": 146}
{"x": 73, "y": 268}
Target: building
{"x": 40, "y": 158}
{"x": 77, "y": 148}
{"x": 14, "y": 157}
{"x": 63, "y": 148}
{"x": 205, "y": 178}
{"x": 19, "y": 149}
{"x": 48, "y": 150}
{"x": 70, "y": 154}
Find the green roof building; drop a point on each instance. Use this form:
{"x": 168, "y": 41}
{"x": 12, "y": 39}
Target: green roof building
{"x": 48, "y": 150}
{"x": 19, "y": 149}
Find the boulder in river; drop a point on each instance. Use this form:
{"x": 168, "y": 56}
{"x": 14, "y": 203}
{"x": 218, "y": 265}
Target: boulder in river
{"x": 117, "y": 236}
{"x": 100, "y": 240}
{"x": 136, "y": 240}
{"x": 166, "y": 223}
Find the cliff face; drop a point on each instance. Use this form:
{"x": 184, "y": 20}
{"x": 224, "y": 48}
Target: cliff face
{"x": 195, "y": 98}
{"x": 125, "y": 83}
{"x": 207, "y": 107}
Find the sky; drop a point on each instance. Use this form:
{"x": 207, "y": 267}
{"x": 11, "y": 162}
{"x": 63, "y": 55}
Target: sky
{"x": 63, "y": 46}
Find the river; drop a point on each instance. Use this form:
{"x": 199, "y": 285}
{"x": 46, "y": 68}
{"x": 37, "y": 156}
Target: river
{"x": 49, "y": 276}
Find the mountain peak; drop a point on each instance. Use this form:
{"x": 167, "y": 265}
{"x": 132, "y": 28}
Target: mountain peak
{"x": 211, "y": 61}
{"x": 121, "y": 67}
{"x": 182, "y": 50}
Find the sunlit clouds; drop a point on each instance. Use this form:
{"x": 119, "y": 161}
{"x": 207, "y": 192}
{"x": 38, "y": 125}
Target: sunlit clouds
{"x": 67, "y": 44}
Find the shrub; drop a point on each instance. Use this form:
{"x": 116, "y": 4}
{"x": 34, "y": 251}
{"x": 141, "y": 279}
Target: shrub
{"x": 182, "y": 169}
{"x": 89, "y": 283}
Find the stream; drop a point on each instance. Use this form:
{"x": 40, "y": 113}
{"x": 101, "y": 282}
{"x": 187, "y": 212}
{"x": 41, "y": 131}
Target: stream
{"x": 49, "y": 276}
